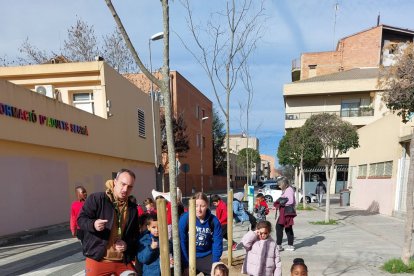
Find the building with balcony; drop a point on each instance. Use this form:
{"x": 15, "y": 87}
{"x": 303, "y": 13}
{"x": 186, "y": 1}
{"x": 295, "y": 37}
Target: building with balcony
{"x": 65, "y": 125}
{"x": 197, "y": 111}
{"x": 344, "y": 82}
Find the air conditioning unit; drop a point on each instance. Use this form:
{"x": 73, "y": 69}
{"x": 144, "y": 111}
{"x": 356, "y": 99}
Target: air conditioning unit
{"x": 46, "y": 90}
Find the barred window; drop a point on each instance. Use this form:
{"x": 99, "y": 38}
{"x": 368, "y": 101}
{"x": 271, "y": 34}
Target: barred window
{"x": 141, "y": 123}
{"x": 381, "y": 169}
{"x": 362, "y": 170}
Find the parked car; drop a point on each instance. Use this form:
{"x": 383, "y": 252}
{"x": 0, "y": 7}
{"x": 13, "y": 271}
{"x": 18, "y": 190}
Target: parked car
{"x": 272, "y": 192}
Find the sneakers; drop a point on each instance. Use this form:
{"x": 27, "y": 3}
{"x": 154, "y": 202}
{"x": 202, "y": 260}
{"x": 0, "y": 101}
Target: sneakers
{"x": 280, "y": 248}
{"x": 234, "y": 246}
{"x": 290, "y": 248}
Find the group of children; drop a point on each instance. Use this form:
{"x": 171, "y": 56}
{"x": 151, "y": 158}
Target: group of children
{"x": 148, "y": 256}
{"x": 262, "y": 253}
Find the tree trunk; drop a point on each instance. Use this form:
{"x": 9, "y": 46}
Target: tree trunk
{"x": 328, "y": 194}
{"x": 297, "y": 183}
{"x": 164, "y": 85}
{"x": 228, "y": 139}
{"x": 165, "y": 70}
{"x": 409, "y": 217}
{"x": 302, "y": 176}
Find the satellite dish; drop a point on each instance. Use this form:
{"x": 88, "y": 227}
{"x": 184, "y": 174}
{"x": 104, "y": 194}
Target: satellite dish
{"x": 41, "y": 90}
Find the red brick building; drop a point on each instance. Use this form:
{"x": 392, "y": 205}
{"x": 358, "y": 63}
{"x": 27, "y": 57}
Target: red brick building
{"x": 193, "y": 105}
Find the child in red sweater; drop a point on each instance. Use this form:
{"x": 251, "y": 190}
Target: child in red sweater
{"x": 260, "y": 208}
{"x": 75, "y": 209}
{"x": 221, "y": 214}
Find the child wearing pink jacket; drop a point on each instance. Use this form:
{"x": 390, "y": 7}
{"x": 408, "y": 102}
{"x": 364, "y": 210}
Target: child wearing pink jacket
{"x": 262, "y": 255}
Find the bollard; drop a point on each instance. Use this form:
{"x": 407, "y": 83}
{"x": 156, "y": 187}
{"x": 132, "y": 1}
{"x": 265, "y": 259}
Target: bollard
{"x": 163, "y": 237}
{"x": 191, "y": 237}
{"x": 230, "y": 227}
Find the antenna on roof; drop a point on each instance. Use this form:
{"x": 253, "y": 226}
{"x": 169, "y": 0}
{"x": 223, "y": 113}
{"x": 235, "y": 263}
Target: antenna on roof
{"x": 334, "y": 26}
{"x": 378, "y": 18}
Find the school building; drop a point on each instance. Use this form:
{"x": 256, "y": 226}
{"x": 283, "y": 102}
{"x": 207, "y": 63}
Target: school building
{"x": 64, "y": 125}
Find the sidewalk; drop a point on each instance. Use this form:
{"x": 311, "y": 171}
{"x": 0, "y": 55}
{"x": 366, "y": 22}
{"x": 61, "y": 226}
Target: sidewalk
{"x": 357, "y": 246}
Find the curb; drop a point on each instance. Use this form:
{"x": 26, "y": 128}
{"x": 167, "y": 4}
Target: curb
{"x": 32, "y": 233}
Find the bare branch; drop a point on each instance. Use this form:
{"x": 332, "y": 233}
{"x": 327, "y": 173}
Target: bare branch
{"x": 130, "y": 46}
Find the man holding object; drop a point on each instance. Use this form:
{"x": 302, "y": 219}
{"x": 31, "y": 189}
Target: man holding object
{"x": 110, "y": 224}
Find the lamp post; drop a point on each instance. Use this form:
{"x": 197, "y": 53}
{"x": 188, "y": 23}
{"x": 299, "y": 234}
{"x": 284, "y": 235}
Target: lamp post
{"x": 201, "y": 152}
{"x": 154, "y": 37}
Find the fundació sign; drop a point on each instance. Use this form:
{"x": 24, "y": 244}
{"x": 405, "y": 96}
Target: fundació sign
{"x": 31, "y": 116}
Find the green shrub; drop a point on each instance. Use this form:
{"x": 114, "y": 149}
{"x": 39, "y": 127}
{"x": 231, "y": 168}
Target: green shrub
{"x": 397, "y": 266}
{"x": 322, "y": 222}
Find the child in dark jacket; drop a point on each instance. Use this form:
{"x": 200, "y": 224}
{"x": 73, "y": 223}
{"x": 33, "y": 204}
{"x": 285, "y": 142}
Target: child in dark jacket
{"x": 148, "y": 248}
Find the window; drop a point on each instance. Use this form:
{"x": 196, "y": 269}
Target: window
{"x": 203, "y": 113}
{"x": 84, "y": 101}
{"x": 197, "y": 111}
{"x": 380, "y": 170}
{"x": 353, "y": 107}
{"x": 141, "y": 123}
{"x": 362, "y": 171}
{"x": 204, "y": 142}
{"x": 198, "y": 139}
{"x": 312, "y": 71}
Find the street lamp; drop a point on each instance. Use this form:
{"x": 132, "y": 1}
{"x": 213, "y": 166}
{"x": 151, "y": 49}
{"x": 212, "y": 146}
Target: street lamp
{"x": 201, "y": 152}
{"x": 154, "y": 37}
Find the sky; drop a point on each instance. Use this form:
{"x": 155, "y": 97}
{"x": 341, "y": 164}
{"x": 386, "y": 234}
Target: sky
{"x": 291, "y": 27}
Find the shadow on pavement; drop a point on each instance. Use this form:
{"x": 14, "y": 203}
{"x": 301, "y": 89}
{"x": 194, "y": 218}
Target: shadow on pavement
{"x": 309, "y": 242}
{"x": 373, "y": 209}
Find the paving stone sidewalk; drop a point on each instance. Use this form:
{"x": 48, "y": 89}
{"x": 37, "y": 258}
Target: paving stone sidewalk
{"x": 357, "y": 246}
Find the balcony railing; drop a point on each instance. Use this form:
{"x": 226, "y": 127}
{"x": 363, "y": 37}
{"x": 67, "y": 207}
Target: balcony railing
{"x": 357, "y": 112}
{"x": 296, "y": 64}
{"x": 306, "y": 115}
{"x": 360, "y": 112}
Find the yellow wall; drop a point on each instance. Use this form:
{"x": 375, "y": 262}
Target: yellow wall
{"x": 38, "y": 182}
{"x": 40, "y": 165}
{"x": 379, "y": 142}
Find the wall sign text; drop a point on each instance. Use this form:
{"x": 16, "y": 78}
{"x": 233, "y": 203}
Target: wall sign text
{"x": 31, "y": 116}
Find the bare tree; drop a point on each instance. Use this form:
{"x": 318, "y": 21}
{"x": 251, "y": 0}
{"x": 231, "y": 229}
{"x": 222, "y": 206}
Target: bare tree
{"x": 81, "y": 44}
{"x": 117, "y": 54}
{"x": 230, "y": 46}
{"x": 32, "y": 55}
{"x": 397, "y": 81}
{"x": 164, "y": 85}
{"x": 5, "y": 61}
{"x": 248, "y": 86}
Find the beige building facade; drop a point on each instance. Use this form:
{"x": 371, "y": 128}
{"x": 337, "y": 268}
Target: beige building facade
{"x": 378, "y": 170}
{"x": 49, "y": 145}
{"x": 344, "y": 82}
{"x": 237, "y": 142}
